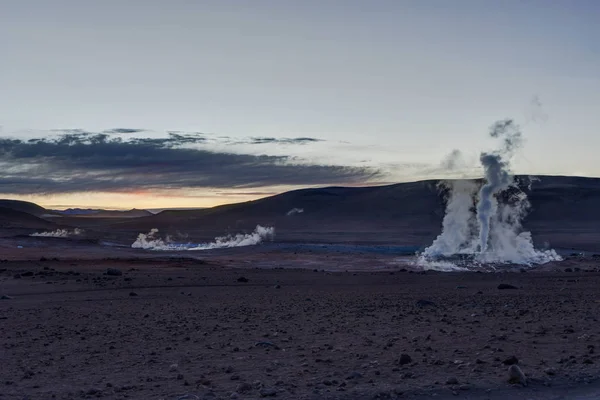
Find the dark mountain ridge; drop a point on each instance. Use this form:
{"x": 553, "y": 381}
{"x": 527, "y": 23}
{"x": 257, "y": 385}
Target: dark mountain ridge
{"x": 564, "y": 212}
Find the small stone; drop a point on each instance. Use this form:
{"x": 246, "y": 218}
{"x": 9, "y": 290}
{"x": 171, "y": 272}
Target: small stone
{"x": 515, "y": 375}
{"x": 452, "y": 381}
{"x": 234, "y": 395}
{"x": 426, "y": 303}
{"x": 354, "y": 375}
{"x": 113, "y": 272}
{"x": 404, "y": 359}
{"x": 511, "y": 361}
{"x": 277, "y": 286}
{"x": 504, "y": 286}
{"x": 5, "y": 297}
{"x": 28, "y": 273}
{"x": 173, "y": 367}
{"x": 550, "y": 371}
{"x": 133, "y": 294}
{"x": 268, "y": 392}
{"x": 244, "y": 387}
{"x": 242, "y": 279}
{"x": 266, "y": 345}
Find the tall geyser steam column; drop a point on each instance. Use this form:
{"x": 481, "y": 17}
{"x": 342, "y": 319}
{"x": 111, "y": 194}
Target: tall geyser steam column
{"x": 486, "y": 223}
{"x": 497, "y": 177}
{"x": 497, "y": 180}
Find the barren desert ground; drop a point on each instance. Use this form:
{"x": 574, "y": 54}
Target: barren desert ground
{"x": 335, "y": 326}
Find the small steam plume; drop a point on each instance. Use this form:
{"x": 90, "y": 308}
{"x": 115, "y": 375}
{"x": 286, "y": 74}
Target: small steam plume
{"x": 59, "y": 233}
{"x": 294, "y": 211}
{"x": 486, "y": 223}
{"x": 151, "y": 241}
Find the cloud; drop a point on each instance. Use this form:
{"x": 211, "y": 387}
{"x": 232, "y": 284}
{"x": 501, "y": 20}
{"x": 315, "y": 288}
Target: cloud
{"x": 124, "y": 130}
{"x": 80, "y": 161}
{"x": 272, "y": 140}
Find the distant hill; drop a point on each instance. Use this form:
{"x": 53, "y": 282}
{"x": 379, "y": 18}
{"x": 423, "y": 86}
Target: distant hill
{"x": 564, "y": 212}
{"x": 11, "y": 218}
{"x": 23, "y": 206}
{"x": 100, "y": 213}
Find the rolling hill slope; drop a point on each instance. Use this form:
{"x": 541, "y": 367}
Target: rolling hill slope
{"x": 564, "y": 213}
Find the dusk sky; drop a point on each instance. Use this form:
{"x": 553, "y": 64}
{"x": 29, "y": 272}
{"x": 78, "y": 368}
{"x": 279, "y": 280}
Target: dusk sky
{"x": 181, "y": 103}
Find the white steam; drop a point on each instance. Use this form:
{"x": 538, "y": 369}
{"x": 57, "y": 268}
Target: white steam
{"x": 59, "y": 233}
{"x": 486, "y": 224}
{"x": 151, "y": 240}
{"x": 295, "y": 211}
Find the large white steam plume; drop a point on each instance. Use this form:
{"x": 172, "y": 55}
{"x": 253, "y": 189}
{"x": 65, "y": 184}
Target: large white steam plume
{"x": 151, "y": 241}
{"x": 485, "y": 224}
{"x": 59, "y": 233}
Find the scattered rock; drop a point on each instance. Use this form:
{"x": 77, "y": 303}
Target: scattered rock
{"x": 5, "y": 297}
{"x": 452, "y": 381}
{"x": 113, "y": 272}
{"x": 268, "y": 392}
{"x": 515, "y": 375}
{"x": 133, "y": 294}
{"x": 28, "y": 273}
{"x": 426, "y": 303}
{"x": 188, "y": 397}
{"x": 242, "y": 279}
{"x": 266, "y": 345}
{"x": 550, "y": 371}
{"x": 277, "y": 286}
{"x": 354, "y": 375}
{"x": 404, "y": 359}
{"x": 503, "y": 286}
{"x": 511, "y": 361}
{"x": 244, "y": 387}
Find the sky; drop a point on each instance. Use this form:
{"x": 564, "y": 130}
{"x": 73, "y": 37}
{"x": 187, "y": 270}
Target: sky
{"x": 182, "y": 103}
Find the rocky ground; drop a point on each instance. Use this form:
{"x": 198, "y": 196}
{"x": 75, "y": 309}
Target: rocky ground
{"x": 190, "y": 329}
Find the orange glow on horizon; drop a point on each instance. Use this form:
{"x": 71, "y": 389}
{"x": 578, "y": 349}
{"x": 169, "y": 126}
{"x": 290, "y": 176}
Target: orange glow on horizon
{"x": 126, "y": 201}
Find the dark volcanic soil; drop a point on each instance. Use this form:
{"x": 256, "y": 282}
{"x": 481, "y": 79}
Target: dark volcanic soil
{"x": 169, "y": 328}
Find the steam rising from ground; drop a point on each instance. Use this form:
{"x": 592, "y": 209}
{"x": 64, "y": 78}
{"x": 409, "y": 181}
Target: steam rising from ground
{"x": 295, "y": 211}
{"x": 483, "y": 222}
{"x": 152, "y": 241}
{"x": 59, "y": 233}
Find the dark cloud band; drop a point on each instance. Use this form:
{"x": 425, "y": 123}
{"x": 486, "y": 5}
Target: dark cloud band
{"x": 81, "y": 161}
